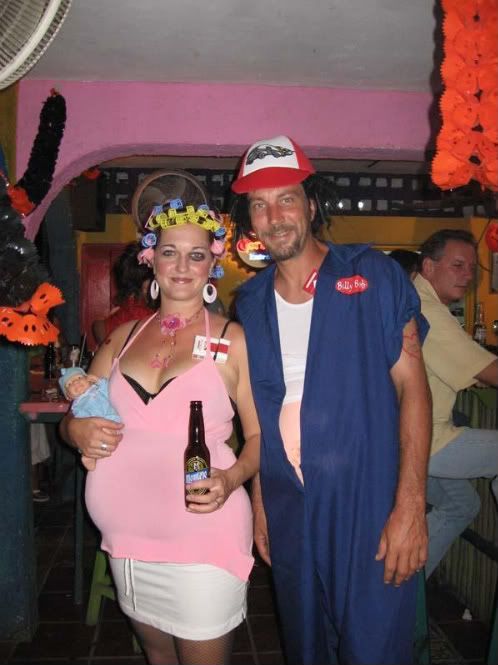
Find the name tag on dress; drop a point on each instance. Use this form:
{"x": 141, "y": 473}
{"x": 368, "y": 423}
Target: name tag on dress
{"x": 217, "y": 345}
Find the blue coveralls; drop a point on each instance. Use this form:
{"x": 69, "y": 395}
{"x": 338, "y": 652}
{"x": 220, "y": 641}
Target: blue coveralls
{"x": 333, "y": 603}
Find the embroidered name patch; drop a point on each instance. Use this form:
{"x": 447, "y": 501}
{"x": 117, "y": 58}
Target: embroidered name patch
{"x": 351, "y": 285}
{"x": 220, "y": 345}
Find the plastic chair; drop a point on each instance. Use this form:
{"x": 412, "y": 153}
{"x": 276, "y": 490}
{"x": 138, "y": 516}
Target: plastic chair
{"x": 102, "y": 587}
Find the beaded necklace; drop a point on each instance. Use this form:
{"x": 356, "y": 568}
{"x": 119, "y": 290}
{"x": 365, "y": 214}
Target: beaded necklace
{"x": 169, "y": 326}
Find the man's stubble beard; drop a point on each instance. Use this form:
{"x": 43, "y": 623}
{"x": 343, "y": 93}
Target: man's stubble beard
{"x": 287, "y": 252}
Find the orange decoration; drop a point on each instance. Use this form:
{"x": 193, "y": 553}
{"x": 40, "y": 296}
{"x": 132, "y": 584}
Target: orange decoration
{"x": 28, "y": 323}
{"x": 488, "y": 75}
{"x": 488, "y": 173}
{"x": 467, "y": 145}
{"x": 20, "y": 201}
{"x": 452, "y": 25}
{"x": 492, "y": 236}
{"x": 91, "y": 174}
{"x": 448, "y": 171}
{"x": 449, "y": 134}
{"x": 488, "y": 116}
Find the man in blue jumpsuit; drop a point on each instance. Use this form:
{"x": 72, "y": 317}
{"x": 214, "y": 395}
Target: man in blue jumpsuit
{"x": 340, "y": 503}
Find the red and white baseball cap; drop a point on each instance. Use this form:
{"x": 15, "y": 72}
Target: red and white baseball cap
{"x": 276, "y": 162}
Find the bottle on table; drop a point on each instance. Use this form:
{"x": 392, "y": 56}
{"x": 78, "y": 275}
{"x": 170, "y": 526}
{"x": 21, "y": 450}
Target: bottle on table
{"x": 479, "y": 334}
{"x": 74, "y": 355}
{"x": 49, "y": 390}
{"x": 197, "y": 460}
{"x": 50, "y": 362}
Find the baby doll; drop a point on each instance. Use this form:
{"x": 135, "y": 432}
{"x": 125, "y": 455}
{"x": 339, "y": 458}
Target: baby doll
{"x": 89, "y": 396}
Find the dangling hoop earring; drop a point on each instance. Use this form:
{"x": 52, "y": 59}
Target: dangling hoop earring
{"x": 154, "y": 289}
{"x": 209, "y": 293}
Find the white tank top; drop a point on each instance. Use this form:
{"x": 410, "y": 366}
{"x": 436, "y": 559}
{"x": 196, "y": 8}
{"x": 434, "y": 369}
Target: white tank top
{"x": 294, "y": 323}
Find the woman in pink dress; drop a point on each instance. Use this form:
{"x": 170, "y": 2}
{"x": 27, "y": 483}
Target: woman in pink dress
{"x": 180, "y": 572}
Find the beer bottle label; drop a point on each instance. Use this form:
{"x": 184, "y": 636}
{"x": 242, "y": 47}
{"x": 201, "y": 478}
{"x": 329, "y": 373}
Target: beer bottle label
{"x": 196, "y": 469}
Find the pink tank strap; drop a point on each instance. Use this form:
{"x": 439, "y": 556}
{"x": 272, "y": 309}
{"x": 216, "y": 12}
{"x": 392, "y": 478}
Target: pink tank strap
{"x": 134, "y": 336}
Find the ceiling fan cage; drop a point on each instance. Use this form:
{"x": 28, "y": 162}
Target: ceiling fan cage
{"x": 27, "y": 29}
{"x": 162, "y": 186}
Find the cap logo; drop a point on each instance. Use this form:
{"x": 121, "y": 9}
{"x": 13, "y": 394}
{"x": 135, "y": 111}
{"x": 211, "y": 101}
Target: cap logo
{"x": 267, "y": 150}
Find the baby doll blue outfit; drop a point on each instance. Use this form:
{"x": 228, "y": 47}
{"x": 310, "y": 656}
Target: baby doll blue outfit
{"x": 95, "y": 402}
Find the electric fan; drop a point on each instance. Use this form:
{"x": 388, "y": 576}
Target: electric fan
{"x": 27, "y": 29}
{"x": 162, "y": 186}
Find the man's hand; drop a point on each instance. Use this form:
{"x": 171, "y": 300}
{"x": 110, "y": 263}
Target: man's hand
{"x": 403, "y": 544}
{"x": 260, "y": 526}
{"x": 261, "y": 534}
{"x": 95, "y": 438}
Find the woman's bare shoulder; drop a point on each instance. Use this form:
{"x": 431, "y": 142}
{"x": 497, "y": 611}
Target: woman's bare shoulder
{"x": 111, "y": 347}
{"x": 219, "y": 323}
{"x": 118, "y": 337}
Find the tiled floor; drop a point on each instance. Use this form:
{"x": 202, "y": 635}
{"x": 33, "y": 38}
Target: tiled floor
{"x": 62, "y": 637}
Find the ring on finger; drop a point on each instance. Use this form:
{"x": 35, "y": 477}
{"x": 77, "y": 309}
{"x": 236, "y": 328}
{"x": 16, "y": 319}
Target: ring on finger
{"x": 103, "y": 446}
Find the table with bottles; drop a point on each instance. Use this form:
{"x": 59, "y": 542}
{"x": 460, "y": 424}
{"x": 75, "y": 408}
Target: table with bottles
{"x": 46, "y": 404}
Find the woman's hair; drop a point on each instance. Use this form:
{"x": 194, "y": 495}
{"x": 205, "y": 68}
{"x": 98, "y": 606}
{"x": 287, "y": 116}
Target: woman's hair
{"x": 316, "y": 188}
{"x": 129, "y": 275}
{"x": 408, "y": 260}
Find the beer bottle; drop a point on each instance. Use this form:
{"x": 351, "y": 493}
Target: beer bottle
{"x": 50, "y": 362}
{"x": 479, "y": 325}
{"x": 197, "y": 460}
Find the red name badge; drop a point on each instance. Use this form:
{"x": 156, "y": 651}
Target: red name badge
{"x": 310, "y": 284}
{"x": 351, "y": 285}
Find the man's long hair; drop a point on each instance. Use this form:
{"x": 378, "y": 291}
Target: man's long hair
{"x": 316, "y": 187}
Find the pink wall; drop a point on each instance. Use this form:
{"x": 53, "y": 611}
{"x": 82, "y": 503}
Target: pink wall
{"x": 107, "y": 120}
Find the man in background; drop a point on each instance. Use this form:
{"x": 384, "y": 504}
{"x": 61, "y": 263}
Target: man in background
{"x": 453, "y": 361}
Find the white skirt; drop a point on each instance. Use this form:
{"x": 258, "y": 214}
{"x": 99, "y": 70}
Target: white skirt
{"x": 189, "y": 601}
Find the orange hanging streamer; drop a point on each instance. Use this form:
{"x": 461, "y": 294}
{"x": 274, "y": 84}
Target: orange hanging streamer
{"x": 28, "y": 323}
{"x": 467, "y": 145}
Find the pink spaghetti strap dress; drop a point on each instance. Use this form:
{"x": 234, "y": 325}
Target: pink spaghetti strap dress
{"x": 136, "y": 499}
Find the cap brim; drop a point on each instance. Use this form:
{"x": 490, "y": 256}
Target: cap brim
{"x": 269, "y": 177}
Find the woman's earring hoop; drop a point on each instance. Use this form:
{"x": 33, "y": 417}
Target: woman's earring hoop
{"x": 209, "y": 293}
{"x": 154, "y": 289}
